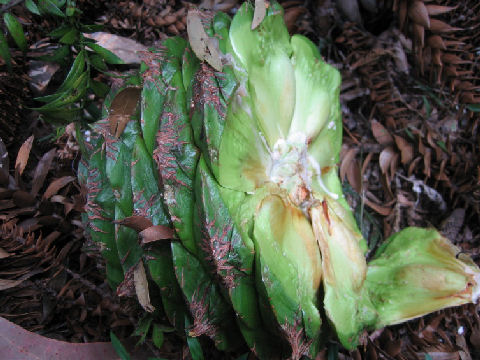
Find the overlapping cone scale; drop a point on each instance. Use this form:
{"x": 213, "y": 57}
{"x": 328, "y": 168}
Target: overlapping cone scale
{"x": 242, "y": 164}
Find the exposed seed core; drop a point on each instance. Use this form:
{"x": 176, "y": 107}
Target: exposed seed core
{"x": 293, "y": 169}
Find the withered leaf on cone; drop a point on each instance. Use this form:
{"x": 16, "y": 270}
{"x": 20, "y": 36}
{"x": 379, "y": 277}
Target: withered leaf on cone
{"x": 135, "y": 222}
{"x": 155, "y": 233}
{"x": 141, "y": 287}
{"x": 122, "y": 108}
{"x": 203, "y": 46}
{"x": 259, "y": 13}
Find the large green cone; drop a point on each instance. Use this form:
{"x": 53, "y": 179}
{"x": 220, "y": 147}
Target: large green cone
{"x": 242, "y": 165}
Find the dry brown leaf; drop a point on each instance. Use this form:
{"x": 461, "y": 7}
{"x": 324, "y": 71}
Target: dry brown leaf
{"x": 41, "y": 171}
{"x": 56, "y": 185}
{"x": 385, "y": 159}
{"x": 393, "y": 347}
{"x": 259, "y": 13}
{"x": 346, "y": 161}
{"x": 123, "y": 107}
{"x": 4, "y": 254}
{"x": 419, "y": 34}
{"x": 436, "y": 42}
{"x": 7, "y": 284}
{"x": 203, "y": 46}
{"x": 17, "y": 343}
{"x": 381, "y": 134}
{"x": 155, "y": 233}
{"x": 366, "y": 162}
{"x": 438, "y": 9}
{"x": 141, "y": 287}
{"x": 382, "y": 210}
{"x": 135, "y": 222}
{"x": 453, "y": 59}
{"x": 125, "y": 48}
{"x": 23, "y": 155}
{"x": 406, "y": 149}
{"x": 439, "y": 26}
{"x": 419, "y": 14}
{"x": 23, "y": 199}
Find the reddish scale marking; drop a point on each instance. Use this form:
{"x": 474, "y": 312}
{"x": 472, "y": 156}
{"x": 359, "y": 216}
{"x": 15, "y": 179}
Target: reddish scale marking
{"x": 206, "y": 90}
{"x": 167, "y": 141}
{"x": 91, "y": 207}
{"x": 141, "y": 205}
{"x": 295, "y": 337}
{"x": 153, "y": 60}
{"x": 201, "y": 320}
{"x": 127, "y": 286}
{"x": 218, "y": 249}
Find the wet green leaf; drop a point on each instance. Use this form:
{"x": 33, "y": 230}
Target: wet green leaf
{"x": 32, "y": 7}
{"x": 118, "y": 346}
{"x": 107, "y": 55}
{"x": 16, "y": 30}
{"x": 50, "y": 7}
{"x": 58, "y": 55}
{"x": 70, "y": 37}
{"x": 157, "y": 336}
{"x": 5, "y": 51}
{"x": 99, "y": 88}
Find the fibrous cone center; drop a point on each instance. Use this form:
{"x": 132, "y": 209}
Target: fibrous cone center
{"x": 291, "y": 168}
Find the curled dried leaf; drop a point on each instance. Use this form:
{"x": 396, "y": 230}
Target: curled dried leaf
{"x": 406, "y": 149}
{"x": 135, "y": 222}
{"x": 382, "y": 210}
{"x": 386, "y": 157}
{"x": 155, "y": 233}
{"x": 141, "y": 287}
{"x": 259, "y": 13}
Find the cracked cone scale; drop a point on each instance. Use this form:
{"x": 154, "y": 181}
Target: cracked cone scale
{"x": 240, "y": 160}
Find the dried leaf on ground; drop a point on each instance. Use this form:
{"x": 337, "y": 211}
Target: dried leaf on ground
{"x": 23, "y": 155}
{"x": 56, "y": 185}
{"x": 19, "y": 344}
{"x": 125, "y": 48}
